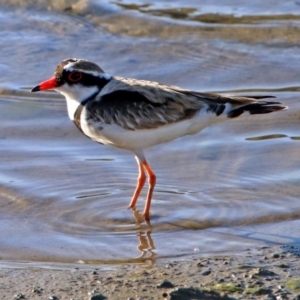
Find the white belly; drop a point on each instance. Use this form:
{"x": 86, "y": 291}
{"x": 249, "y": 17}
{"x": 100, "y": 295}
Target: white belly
{"x": 134, "y": 140}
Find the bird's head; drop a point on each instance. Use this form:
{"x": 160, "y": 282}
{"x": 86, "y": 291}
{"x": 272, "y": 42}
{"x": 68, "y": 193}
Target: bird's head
{"x": 76, "y": 79}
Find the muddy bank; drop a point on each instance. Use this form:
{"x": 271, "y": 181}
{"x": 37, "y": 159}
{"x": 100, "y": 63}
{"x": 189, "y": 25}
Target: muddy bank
{"x": 265, "y": 273}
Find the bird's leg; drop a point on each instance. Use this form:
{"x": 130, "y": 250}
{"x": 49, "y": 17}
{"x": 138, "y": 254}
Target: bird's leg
{"x": 140, "y": 183}
{"x": 152, "y": 181}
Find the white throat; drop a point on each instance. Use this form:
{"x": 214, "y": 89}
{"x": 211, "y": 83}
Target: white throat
{"x": 75, "y": 95}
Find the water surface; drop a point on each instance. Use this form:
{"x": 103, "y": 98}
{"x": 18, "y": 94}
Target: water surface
{"x": 233, "y": 186}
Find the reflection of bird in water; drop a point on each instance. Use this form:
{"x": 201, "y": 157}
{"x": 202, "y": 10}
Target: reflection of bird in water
{"x": 136, "y": 114}
{"x": 146, "y": 245}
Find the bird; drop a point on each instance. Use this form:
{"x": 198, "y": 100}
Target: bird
{"x": 133, "y": 114}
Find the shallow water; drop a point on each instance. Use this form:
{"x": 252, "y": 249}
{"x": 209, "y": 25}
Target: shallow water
{"x": 235, "y": 185}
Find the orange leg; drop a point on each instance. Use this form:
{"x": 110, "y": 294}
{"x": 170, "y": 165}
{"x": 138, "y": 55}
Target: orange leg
{"x": 152, "y": 181}
{"x": 140, "y": 183}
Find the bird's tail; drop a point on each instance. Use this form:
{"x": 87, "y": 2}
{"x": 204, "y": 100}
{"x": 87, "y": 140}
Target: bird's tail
{"x": 260, "y": 107}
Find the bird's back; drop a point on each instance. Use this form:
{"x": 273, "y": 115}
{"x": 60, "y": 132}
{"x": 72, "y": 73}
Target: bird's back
{"x": 133, "y": 114}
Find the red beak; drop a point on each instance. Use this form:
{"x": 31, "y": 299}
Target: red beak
{"x": 46, "y": 85}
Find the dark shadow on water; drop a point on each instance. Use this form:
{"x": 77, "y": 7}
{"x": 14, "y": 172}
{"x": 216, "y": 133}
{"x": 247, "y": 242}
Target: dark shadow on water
{"x": 266, "y": 137}
{"x": 271, "y": 137}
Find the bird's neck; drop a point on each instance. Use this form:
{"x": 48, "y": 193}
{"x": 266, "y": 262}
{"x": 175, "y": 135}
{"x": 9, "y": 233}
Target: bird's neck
{"x": 78, "y": 97}
{"x": 81, "y": 94}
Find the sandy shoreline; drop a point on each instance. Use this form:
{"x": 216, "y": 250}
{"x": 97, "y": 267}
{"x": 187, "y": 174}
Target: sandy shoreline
{"x": 265, "y": 273}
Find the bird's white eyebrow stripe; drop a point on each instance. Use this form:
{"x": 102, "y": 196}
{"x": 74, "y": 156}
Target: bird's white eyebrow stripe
{"x": 70, "y": 68}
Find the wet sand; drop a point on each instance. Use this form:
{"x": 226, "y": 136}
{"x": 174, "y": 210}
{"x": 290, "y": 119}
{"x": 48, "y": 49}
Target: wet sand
{"x": 232, "y": 187}
{"x": 264, "y": 273}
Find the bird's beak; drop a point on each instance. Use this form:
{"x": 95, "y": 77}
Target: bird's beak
{"x": 46, "y": 85}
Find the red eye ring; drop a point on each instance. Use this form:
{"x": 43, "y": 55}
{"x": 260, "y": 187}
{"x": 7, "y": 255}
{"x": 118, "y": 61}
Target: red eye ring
{"x": 75, "y": 76}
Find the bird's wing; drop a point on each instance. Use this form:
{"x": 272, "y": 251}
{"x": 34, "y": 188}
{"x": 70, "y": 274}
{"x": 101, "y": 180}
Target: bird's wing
{"x": 138, "y": 104}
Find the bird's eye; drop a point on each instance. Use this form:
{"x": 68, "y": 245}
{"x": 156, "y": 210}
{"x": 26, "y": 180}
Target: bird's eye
{"x": 75, "y": 76}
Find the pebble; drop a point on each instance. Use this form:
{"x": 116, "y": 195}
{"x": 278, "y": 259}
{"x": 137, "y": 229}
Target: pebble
{"x": 165, "y": 284}
{"x": 37, "y": 290}
{"x": 262, "y": 272}
{"x": 20, "y": 296}
{"x": 98, "y": 297}
{"x": 206, "y": 272}
{"x": 270, "y": 297}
